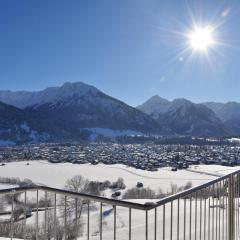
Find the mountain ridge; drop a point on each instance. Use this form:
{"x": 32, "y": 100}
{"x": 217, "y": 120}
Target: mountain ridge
{"x": 76, "y": 111}
{"x": 185, "y": 117}
{"x": 69, "y": 112}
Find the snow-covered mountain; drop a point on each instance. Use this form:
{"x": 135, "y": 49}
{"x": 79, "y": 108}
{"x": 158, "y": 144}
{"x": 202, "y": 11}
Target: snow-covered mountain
{"x": 185, "y": 117}
{"x": 23, "y": 99}
{"x": 155, "y": 106}
{"x": 215, "y": 106}
{"x": 15, "y": 127}
{"x": 229, "y": 113}
{"x": 77, "y": 111}
{"x": 69, "y": 112}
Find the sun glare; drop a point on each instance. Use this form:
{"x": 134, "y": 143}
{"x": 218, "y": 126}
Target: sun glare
{"x": 201, "y": 38}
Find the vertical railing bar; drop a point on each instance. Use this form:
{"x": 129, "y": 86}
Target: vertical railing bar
{"x": 217, "y": 203}
{"x": 114, "y": 222}
{"x": 238, "y": 203}
{"x": 45, "y": 216}
{"x": 55, "y": 216}
{"x": 219, "y": 220}
{"x": 146, "y": 229}
{"x": 219, "y": 214}
{"x": 178, "y": 211}
{"x": 88, "y": 220}
{"x": 184, "y": 220}
{"x": 76, "y": 218}
{"x": 223, "y": 215}
{"x": 190, "y": 218}
{"x": 236, "y": 223}
{"x": 234, "y": 205}
{"x": 164, "y": 210}
{"x": 209, "y": 212}
{"x": 227, "y": 206}
{"x": 213, "y": 205}
{"x": 220, "y": 211}
{"x": 65, "y": 217}
{"x": 171, "y": 222}
{"x": 200, "y": 220}
{"x": 100, "y": 224}
{"x": 12, "y": 209}
{"x": 237, "y": 212}
{"x": 230, "y": 208}
{"x": 195, "y": 221}
{"x": 155, "y": 224}
{"x": 205, "y": 214}
{"x": 37, "y": 216}
{"x": 130, "y": 223}
{"x": 25, "y": 214}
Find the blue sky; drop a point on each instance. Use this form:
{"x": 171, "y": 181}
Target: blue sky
{"x": 130, "y": 49}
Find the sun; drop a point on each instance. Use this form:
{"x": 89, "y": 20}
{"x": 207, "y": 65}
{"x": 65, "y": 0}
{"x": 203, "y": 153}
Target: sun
{"x": 201, "y": 38}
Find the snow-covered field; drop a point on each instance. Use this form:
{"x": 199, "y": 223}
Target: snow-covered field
{"x": 55, "y": 175}
{"x": 218, "y": 170}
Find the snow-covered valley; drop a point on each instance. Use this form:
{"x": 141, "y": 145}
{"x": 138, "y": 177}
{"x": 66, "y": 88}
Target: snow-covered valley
{"x": 55, "y": 175}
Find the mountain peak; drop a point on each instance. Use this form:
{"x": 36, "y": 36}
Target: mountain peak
{"x": 23, "y": 99}
{"x": 155, "y": 105}
{"x": 157, "y": 99}
{"x": 69, "y": 89}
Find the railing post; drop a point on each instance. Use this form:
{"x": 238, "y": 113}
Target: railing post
{"x": 231, "y": 208}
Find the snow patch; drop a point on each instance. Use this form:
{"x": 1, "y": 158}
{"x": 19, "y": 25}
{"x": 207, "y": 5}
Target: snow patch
{"x": 34, "y": 136}
{"x": 236, "y": 140}
{"x": 24, "y": 126}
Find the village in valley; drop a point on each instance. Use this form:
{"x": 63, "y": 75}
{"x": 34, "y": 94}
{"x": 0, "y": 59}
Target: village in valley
{"x": 148, "y": 157}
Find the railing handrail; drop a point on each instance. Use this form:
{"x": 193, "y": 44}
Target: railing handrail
{"x": 147, "y": 206}
{"x": 189, "y": 191}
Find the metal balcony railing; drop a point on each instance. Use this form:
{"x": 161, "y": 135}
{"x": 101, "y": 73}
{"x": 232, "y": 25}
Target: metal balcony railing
{"x": 206, "y": 212}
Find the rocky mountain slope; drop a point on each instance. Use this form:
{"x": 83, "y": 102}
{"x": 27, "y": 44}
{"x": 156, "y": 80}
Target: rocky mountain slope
{"x": 69, "y": 112}
{"x": 229, "y": 113}
{"x": 184, "y": 117}
{"x": 15, "y": 126}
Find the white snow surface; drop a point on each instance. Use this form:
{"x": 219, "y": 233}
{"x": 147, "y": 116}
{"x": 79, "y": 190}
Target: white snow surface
{"x": 55, "y": 175}
{"x": 236, "y": 140}
{"x": 214, "y": 169}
